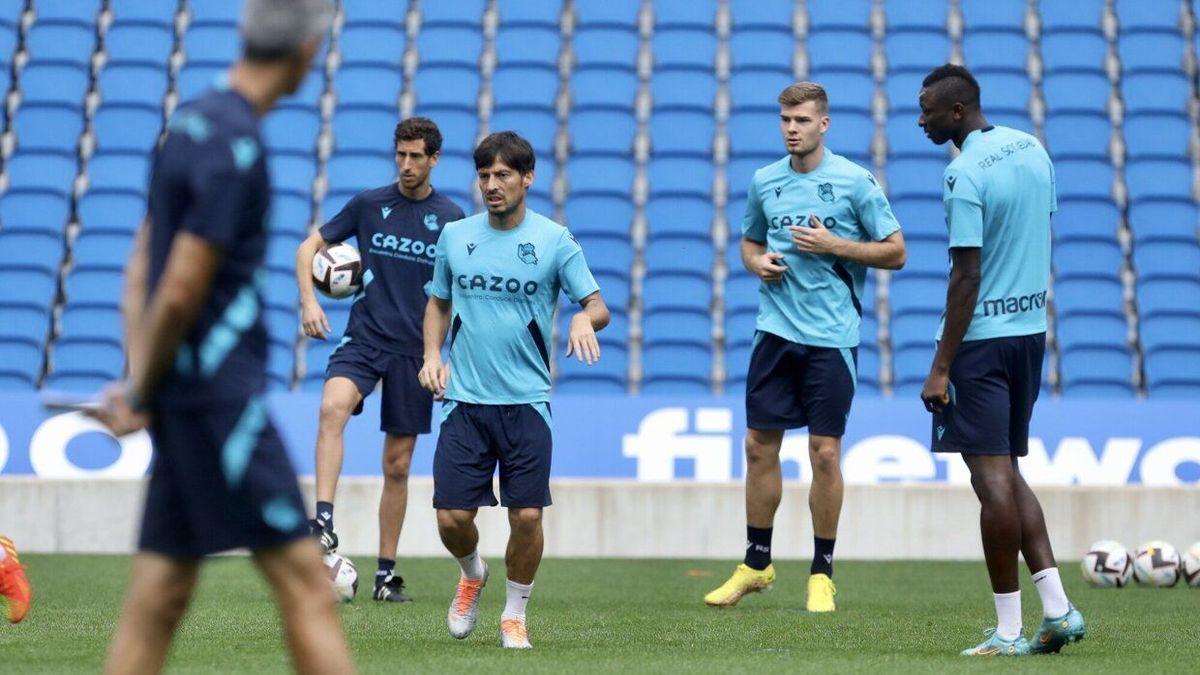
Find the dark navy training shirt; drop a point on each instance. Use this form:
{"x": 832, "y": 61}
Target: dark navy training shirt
{"x": 397, "y": 238}
{"x": 209, "y": 178}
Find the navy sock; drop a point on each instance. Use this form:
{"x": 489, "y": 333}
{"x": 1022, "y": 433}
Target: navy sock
{"x": 822, "y": 557}
{"x": 386, "y": 568}
{"x": 325, "y": 514}
{"x": 758, "y": 547}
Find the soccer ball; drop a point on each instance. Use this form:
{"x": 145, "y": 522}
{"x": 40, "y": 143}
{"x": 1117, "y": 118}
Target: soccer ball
{"x": 1107, "y": 565}
{"x": 1156, "y": 564}
{"x": 337, "y": 270}
{"x": 1190, "y": 566}
{"x": 343, "y": 575}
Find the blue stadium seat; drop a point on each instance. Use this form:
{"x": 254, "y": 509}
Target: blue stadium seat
{"x": 602, "y": 130}
{"x": 987, "y": 14}
{"x": 752, "y": 88}
{"x": 34, "y": 211}
{"x": 356, "y": 128}
{"x": 281, "y": 251}
{"x": 139, "y": 42}
{"x": 351, "y": 171}
{"x": 1005, "y": 91}
{"x": 1088, "y": 295}
{"x": 134, "y": 83}
{"x": 1173, "y": 373}
{"x": 102, "y": 250}
{"x": 1074, "y": 50}
{"x": 1092, "y": 258}
{"x": 104, "y": 211}
{"x": 457, "y": 13}
{"x": 316, "y": 358}
{"x": 374, "y": 11}
{"x": 536, "y": 13}
{"x": 1083, "y": 178}
{"x": 677, "y": 176}
{"x": 603, "y": 215}
{"x": 685, "y": 14}
{"x": 28, "y": 288}
{"x": 1081, "y": 331}
{"x": 54, "y": 82}
{"x": 741, "y": 294}
{"x": 600, "y": 176}
{"x": 1167, "y": 259}
{"x": 869, "y": 368}
{"x": 682, "y": 132}
{"x": 63, "y": 42}
{"x": 96, "y": 287}
{"x": 667, "y": 292}
{"x": 916, "y": 50}
{"x": 754, "y": 132}
{"x": 615, "y": 288}
{"x": 37, "y": 171}
{"x": 679, "y": 215}
{"x": 525, "y": 88}
{"x": 211, "y": 44}
{"x": 283, "y": 326}
{"x": 851, "y": 134}
{"x": 280, "y": 291}
{"x": 1140, "y": 15}
{"x": 539, "y": 127}
{"x": 762, "y": 48}
{"x": 921, "y": 217}
{"x": 295, "y": 128}
{"x": 737, "y": 364}
{"x": 1076, "y": 91}
{"x": 739, "y": 333}
{"x": 1088, "y": 372}
{"x": 1156, "y": 92}
{"x": 1086, "y": 219}
{"x": 1157, "y": 136}
{"x": 459, "y": 129}
{"x": 1168, "y": 297}
{"x": 293, "y": 173}
{"x": 842, "y": 15}
{"x": 929, "y": 257}
{"x": 1152, "y": 178}
{"x": 906, "y": 15}
{"x": 609, "y": 375}
{"x": 1081, "y": 15}
{"x": 20, "y": 362}
{"x": 902, "y": 89}
{"x": 906, "y": 140}
{"x": 684, "y": 88}
{"x": 684, "y": 47}
{"x": 603, "y": 87}
{"x": 449, "y": 46}
{"x": 1164, "y": 220}
{"x": 910, "y": 367}
{"x": 917, "y": 293}
{"x": 447, "y": 87}
{"x": 616, "y": 334}
{"x": 528, "y": 46}
{"x": 740, "y": 171}
{"x": 1165, "y": 331}
{"x": 1078, "y": 136}
{"x": 849, "y": 49}
{"x": 1002, "y": 49}
{"x": 161, "y": 12}
{"x": 456, "y": 178}
{"x": 383, "y": 44}
{"x": 676, "y": 369}
{"x": 679, "y": 255}
{"x": 607, "y": 254}
{"x": 848, "y": 90}
{"x": 280, "y": 362}
{"x": 605, "y": 46}
{"x": 126, "y": 128}
{"x": 1152, "y": 51}
{"x": 27, "y": 325}
{"x": 49, "y": 128}
{"x": 31, "y": 251}
{"x": 378, "y": 85}
{"x": 915, "y": 177}
{"x": 216, "y": 11}
{"x": 776, "y": 15}
{"x": 119, "y": 171}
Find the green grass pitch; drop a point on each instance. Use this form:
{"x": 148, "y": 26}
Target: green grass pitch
{"x": 615, "y": 616}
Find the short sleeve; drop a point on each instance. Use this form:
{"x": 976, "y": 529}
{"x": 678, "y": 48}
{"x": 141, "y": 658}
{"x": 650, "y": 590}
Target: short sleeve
{"x": 1053, "y": 190}
{"x": 874, "y": 211}
{"x": 964, "y": 209}
{"x": 344, "y": 225}
{"x": 573, "y": 273}
{"x": 440, "y": 285}
{"x": 221, "y": 187}
{"x": 754, "y": 221}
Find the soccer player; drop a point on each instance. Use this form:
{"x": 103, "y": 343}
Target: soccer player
{"x": 14, "y": 586}
{"x": 197, "y": 350}
{"x": 814, "y": 223}
{"x": 397, "y": 227}
{"x": 999, "y": 194}
{"x": 495, "y": 285}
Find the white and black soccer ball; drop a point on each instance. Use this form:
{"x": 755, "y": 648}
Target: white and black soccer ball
{"x": 1189, "y": 567}
{"x": 337, "y": 270}
{"x": 1107, "y": 565}
{"x": 343, "y": 576}
{"x": 1156, "y": 564}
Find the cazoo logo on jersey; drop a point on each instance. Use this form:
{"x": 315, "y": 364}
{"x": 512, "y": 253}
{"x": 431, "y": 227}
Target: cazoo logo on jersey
{"x": 389, "y": 242}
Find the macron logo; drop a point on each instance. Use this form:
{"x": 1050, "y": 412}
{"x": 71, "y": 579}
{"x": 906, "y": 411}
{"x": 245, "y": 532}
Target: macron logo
{"x": 470, "y": 249}
{"x": 951, "y": 181}
{"x": 387, "y": 210}
{"x": 941, "y": 431}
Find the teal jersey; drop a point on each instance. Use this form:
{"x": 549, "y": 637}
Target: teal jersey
{"x": 503, "y": 286}
{"x": 999, "y": 194}
{"x": 818, "y": 301}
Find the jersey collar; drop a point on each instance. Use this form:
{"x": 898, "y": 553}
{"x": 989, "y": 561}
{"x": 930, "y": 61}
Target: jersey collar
{"x": 820, "y": 167}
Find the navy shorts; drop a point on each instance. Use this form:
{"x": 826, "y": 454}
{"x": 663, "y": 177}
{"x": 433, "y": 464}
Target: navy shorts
{"x": 475, "y": 438}
{"x": 220, "y": 479}
{"x": 792, "y": 385}
{"x": 993, "y": 386}
{"x": 407, "y": 407}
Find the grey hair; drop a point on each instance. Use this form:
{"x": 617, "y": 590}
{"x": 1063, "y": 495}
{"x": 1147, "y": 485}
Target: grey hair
{"x": 275, "y": 28}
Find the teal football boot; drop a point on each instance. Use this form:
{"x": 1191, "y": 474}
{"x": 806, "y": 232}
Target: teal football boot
{"x": 1054, "y": 634}
{"x": 994, "y": 645}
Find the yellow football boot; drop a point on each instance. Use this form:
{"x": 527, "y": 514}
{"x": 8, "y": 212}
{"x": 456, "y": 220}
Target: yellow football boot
{"x": 820, "y": 593}
{"x": 744, "y": 580}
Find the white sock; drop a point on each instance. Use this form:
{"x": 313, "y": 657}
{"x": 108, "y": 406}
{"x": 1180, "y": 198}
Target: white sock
{"x": 1008, "y": 615}
{"x": 1054, "y": 598}
{"x": 518, "y": 597}
{"x": 472, "y": 565}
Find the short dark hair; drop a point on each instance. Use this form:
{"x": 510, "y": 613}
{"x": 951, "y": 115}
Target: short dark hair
{"x": 957, "y": 83}
{"x": 419, "y": 129}
{"x": 508, "y": 147}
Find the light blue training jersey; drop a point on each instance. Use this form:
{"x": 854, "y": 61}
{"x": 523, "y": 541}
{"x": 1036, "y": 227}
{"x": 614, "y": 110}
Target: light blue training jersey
{"x": 503, "y": 286}
{"x": 818, "y": 301}
{"x": 999, "y": 194}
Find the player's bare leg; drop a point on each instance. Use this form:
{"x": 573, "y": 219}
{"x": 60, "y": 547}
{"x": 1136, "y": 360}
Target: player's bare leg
{"x": 160, "y": 589}
{"x": 825, "y": 504}
{"x": 393, "y": 503}
{"x": 311, "y": 627}
{"x": 338, "y": 401}
{"x": 460, "y": 536}
{"x": 1035, "y": 540}
{"x": 999, "y": 521}
{"x": 764, "y": 490}
{"x": 525, "y": 545}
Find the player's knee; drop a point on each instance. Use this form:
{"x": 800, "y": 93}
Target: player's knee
{"x": 525, "y": 520}
{"x": 168, "y": 602}
{"x": 760, "y": 453}
{"x": 450, "y": 520}
{"x": 826, "y": 457}
{"x": 993, "y": 487}
{"x": 396, "y": 467}
{"x": 334, "y": 412}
